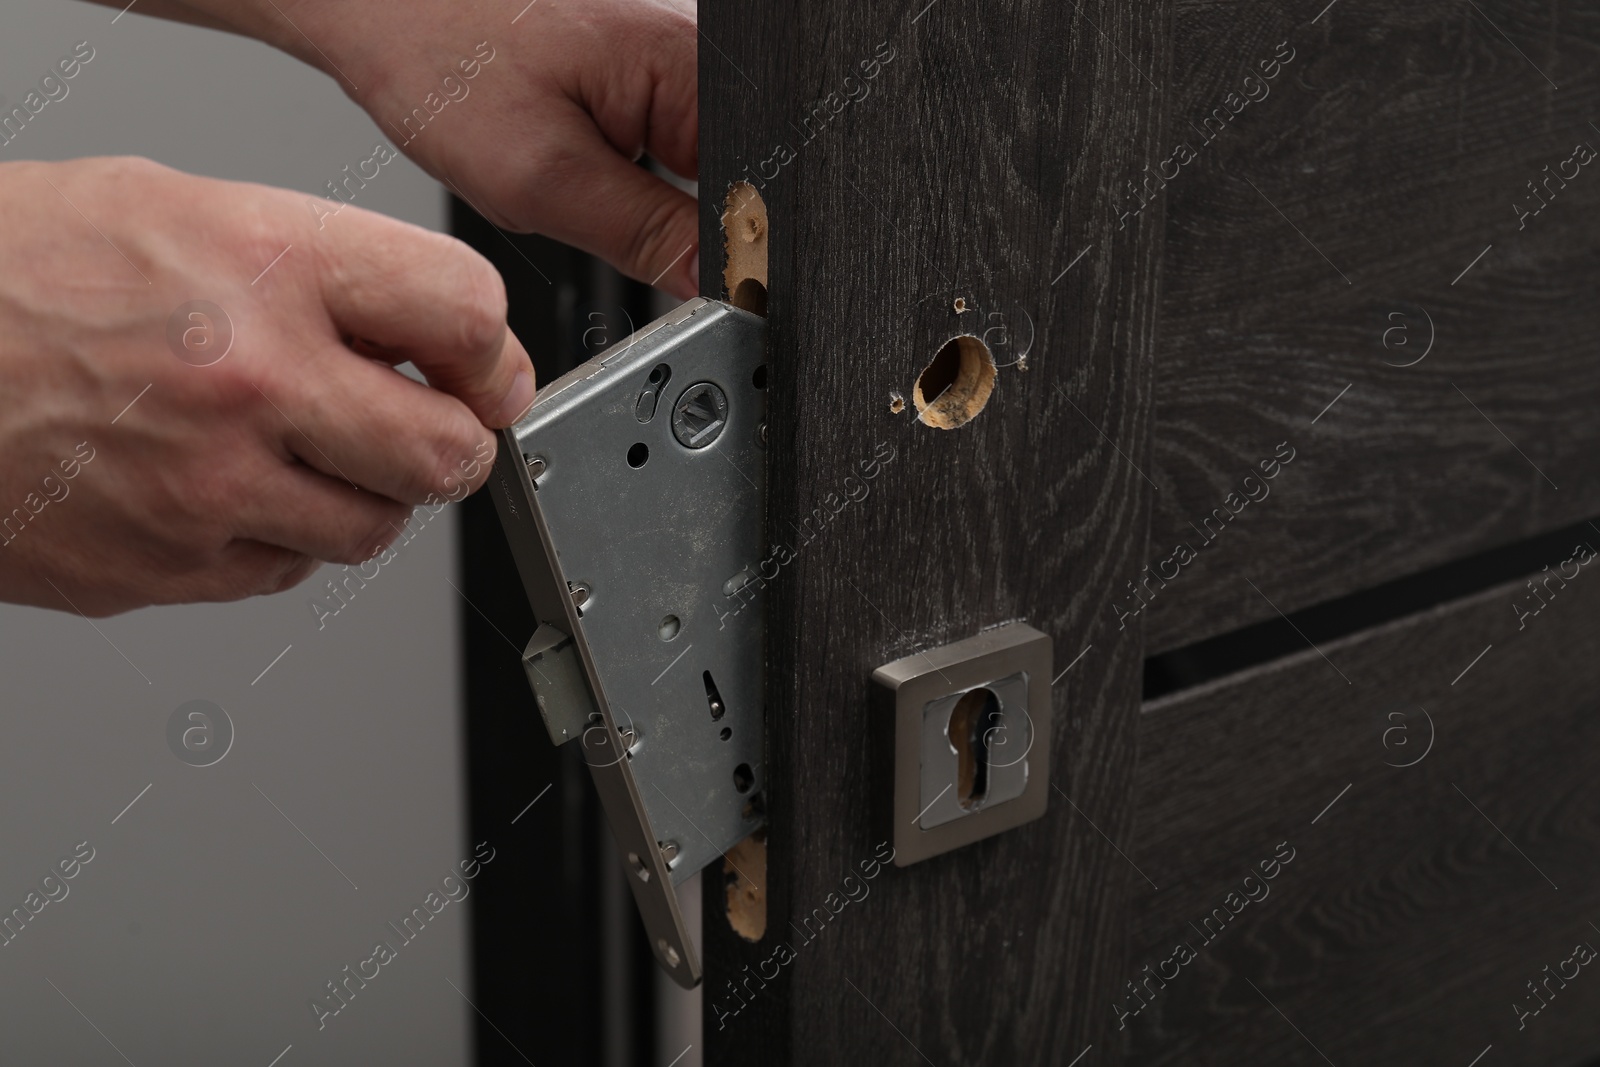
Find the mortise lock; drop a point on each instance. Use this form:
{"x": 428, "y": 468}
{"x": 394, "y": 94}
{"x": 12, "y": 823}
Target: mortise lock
{"x": 628, "y": 494}
{"x": 967, "y": 727}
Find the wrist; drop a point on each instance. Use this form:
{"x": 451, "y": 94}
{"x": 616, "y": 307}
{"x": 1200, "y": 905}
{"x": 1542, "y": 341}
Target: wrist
{"x": 308, "y": 31}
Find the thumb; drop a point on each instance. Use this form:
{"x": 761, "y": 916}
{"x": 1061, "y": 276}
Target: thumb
{"x": 611, "y": 207}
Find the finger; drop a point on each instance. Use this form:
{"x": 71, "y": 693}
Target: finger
{"x": 645, "y": 94}
{"x": 674, "y": 133}
{"x": 617, "y": 210}
{"x": 433, "y": 301}
{"x": 369, "y": 426}
{"x": 515, "y": 406}
{"x": 313, "y": 515}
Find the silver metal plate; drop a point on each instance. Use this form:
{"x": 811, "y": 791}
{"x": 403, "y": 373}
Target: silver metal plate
{"x": 918, "y": 767}
{"x": 636, "y": 511}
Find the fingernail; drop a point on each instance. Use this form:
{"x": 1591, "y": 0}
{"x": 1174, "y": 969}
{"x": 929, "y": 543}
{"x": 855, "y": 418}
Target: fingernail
{"x": 519, "y": 398}
{"x": 694, "y": 271}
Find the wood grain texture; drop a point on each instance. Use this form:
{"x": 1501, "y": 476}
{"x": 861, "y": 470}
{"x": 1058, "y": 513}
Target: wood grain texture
{"x": 1409, "y": 920}
{"x": 1389, "y": 154}
{"x": 981, "y": 163}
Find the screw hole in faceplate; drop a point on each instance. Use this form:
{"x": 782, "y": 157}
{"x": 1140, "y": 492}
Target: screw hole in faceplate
{"x": 727, "y": 733}
{"x": 956, "y": 384}
{"x": 670, "y": 627}
{"x": 644, "y": 408}
{"x": 738, "y": 582}
{"x": 638, "y": 455}
{"x": 743, "y": 778}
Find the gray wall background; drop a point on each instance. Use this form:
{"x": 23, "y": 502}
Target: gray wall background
{"x": 206, "y": 921}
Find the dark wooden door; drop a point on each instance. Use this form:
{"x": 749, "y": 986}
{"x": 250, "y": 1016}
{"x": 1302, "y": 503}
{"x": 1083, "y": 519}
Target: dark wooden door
{"x": 1294, "y": 314}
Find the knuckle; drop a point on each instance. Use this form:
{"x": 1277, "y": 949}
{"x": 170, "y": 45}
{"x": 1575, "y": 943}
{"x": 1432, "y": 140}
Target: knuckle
{"x": 649, "y": 249}
{"x": 359, "y": 530}
{"x": 376, "y": 533}
{"x": 234, "y": 393}
{"x": 264, "y": 572}
{"x": 295, "y": 569}
{"x": 459, "y": 458}
{"x": 132, "y": 168}
{"x": 482, "y": 303}
{"x": 475, "y": 468}
{"x": 261, "y": 227}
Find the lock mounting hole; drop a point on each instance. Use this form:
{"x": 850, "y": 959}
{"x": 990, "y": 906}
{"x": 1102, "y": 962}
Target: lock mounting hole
{"x": 670, "y": 627}
{"x": 638, "y": 455}
{"x": 750, "y": 295}
{"x": 644, "y": 408}
{"x": 955, "y": 386}
{"x": 759, "y": 378}
{"x": 727, "y": 733}
{"x": 743, "y": 778}
{"x": 700, "y": 415}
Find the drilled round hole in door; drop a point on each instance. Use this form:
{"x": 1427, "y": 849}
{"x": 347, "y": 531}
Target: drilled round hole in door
{"x": 670, "y": 627}
{"x": 956, "y": 384}
{"x": 727, "y": 733}
{"x": 638, "y": 454}
{"x": 743, "y": 778}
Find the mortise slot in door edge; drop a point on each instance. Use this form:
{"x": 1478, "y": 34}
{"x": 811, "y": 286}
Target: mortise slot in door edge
{"x": 744, "y": 228}
{"x": 744, "y": 871}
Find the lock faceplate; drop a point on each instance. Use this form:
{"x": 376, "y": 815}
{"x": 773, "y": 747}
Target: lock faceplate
{"x": 968, "y": 729}
{"x": 629, "y": 494}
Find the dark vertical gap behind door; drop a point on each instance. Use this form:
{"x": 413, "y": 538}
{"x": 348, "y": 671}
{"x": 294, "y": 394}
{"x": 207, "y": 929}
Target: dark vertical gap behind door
{"x": 556, "y": 978}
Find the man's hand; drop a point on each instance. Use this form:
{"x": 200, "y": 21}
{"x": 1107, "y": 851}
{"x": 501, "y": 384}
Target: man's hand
{"x": 157, "y": 452}
{"x": 544, "y": 135}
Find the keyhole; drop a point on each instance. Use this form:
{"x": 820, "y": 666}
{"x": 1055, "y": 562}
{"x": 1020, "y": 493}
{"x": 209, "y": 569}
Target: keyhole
{"x": 713, "y": 698}
{"x": 972, "y": 724}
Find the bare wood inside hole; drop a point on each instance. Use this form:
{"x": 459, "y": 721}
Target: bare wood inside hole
{"x": 744, "y": 226}
{"x": 744, "y": 869}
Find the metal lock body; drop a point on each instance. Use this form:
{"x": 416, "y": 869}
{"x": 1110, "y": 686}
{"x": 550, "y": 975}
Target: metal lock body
{"x": 968, "y": 728}
{"x": 630, "y": 493}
